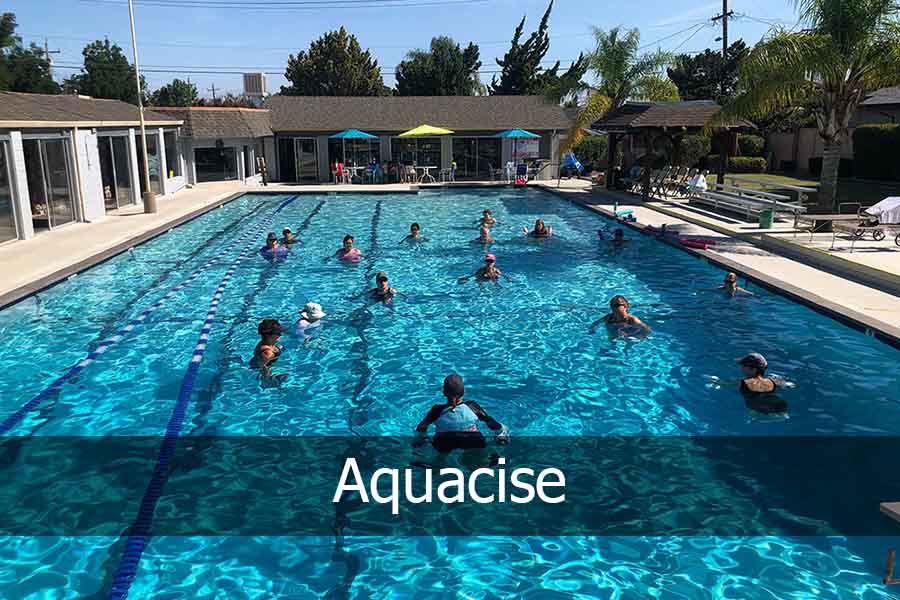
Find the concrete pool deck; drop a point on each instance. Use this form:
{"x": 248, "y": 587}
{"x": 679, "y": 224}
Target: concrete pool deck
{"x": 31, "y": 265}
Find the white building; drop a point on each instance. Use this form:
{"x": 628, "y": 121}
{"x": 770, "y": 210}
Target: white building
{"x": 73, "y": 158}
{"x": 222, "y": 143}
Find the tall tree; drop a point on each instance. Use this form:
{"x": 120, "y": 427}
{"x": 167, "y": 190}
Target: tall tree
{"x": 22, "y": 69}
{"x": 654, "y": 88}
{"x": 521, "y": 71}
{"x": 700, "y": 77}
{"x": 444, "y": 70}
{"x": 334, "y": 65}
{"x": 106, "y": 74}
{"x": 228, "y": 100}
{"x": 622, "y": 73}
{"x": 177, "y": 93}
{"x": 847, "y": 49}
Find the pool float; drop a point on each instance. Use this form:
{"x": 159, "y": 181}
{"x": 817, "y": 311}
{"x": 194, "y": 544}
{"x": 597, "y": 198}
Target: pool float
{"x": 698, "y": 243}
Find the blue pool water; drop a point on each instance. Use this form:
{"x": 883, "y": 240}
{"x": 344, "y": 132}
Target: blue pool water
{"x": 374, "y": 370}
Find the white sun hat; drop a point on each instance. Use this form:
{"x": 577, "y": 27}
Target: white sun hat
{"x": 312, "y": 311}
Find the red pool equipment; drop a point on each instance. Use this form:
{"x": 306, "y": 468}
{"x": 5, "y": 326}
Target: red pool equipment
{"x": 698, "y": 243}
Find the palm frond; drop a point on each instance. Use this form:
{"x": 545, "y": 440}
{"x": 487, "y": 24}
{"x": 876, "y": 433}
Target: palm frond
{"x": 596, "y": 106}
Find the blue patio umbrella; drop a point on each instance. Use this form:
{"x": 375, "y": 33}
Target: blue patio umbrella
{"x": 352, "y": 134}
{"x": 515, "y": 135}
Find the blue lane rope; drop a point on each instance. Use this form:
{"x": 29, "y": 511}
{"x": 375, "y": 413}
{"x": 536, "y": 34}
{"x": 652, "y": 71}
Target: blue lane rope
{"x": 15, "y": 418}
{"x": 139, "y": 532}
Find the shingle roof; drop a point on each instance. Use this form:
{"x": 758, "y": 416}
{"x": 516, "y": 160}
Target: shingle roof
{"x": 890, "y": 95}
{"x": 19, "y": 107}
{"x": 221, "y": 122}
{"x": 399, "y": 113}
{"x": 692, "y": 114}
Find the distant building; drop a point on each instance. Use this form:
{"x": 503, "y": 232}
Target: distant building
{"x": 303, "y": 124}
{"x": 221, "y": 144}
{"x": 881, "y": 106}
{"x": 73, "y": 158}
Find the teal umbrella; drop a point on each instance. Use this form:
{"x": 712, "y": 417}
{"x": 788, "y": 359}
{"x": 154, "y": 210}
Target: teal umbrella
{"x": 515, "y": 135}
{"x": 352, "y": 134}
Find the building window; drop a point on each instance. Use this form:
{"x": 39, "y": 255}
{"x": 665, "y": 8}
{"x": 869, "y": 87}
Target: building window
{"x": 7, "y": 219}
{"x": 50, "y": 189}
{"x": 249, "y": 169}
{"x": 423, "y": 152}
{"x": 173, "y": 156}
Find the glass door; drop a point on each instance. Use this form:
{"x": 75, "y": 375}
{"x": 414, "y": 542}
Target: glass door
{"x": 7, "y": 220}
{"x": 488, "y": 156}
{"x": 56, "y": 166}
{"x": 124, "y": 189}
{"x": 152, "y": 162}
{"x": 465, "y": 154}
{"x": 307, "y": 160}
{"x": 107, "y": 173}
{"x": 115, "y": 172}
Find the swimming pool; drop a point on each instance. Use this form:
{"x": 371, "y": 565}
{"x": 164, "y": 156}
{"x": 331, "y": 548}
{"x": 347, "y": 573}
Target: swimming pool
{"x": 374, "y": 370}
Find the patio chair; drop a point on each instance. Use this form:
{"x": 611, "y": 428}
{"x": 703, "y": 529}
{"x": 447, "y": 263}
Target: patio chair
{"x": 656, "y": 187}
{"x": 447, "y": 174}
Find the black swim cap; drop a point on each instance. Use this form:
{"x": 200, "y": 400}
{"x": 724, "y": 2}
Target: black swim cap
{"x": 269, "y": 327}
{"x": 454, "y": 387}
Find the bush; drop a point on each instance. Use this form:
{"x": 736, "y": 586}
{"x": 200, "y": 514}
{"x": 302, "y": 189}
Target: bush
{"x": 875, "y": 151}
{"x": 690, "y": 149}
{"x": 591, "y": 151}
{"x": 844, "y": 170}
{"x": 737, "y": 164}
{"x": 751, "y": 145}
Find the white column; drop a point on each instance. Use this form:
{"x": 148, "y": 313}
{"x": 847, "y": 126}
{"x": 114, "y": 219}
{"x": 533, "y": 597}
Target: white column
{"x": 161, "y": 155}
{"x": 384, "y": 149}
{"x": 21, "y": 198}
{"x": 136, "y": 174}
{"x": 553, "y": 171}
{"x": 446, "y": 151}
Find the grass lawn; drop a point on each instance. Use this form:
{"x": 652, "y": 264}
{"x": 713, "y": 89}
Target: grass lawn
{"x": 866, "y": 193}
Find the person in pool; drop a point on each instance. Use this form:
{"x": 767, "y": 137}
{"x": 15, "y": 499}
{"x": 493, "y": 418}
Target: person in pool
{"x": 619, "y": 320}
{"x": 757, "y": 389}
{"x": 414, "y": 234}
{"x": 484, "y": 236}
{"x": 730, "y": 286}
{"x": 540, "y": 230}
{"x": 382, "y": 291}
{"x": 268, "y": 350}
{"x": 273, "y": 251}
{"x": 487, "y": 218}
{"x": 288, "y": 238}
{"x": 310, "y": 318}
{"x": 456, "y": 421}
{"x": 487, "y": 272}
{"x": 347, "y": 253}
{"x": 619, "y": 238}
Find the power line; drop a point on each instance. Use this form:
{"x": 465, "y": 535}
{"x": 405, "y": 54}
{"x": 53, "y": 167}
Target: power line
{"x": 668, "y": 37}
{"x": 311, "y": 5}
{"x": 688, "y": 38}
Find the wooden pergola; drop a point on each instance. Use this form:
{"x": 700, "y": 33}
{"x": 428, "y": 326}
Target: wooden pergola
{"x": 652, "y": 120}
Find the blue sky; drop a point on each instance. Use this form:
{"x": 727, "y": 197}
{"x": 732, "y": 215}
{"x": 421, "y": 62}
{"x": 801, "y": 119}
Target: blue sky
{"x": 183, "y": 39}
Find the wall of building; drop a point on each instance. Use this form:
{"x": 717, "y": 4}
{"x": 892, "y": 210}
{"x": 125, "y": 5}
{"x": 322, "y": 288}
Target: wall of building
{"x": 19, "y": 182}
{"x": 801, "y": 145}
{"x": 88, "y": 176}
{"x": 188, "y": 145}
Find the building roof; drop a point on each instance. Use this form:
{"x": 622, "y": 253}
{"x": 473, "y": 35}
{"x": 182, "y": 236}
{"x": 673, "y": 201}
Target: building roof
{"x": 46, "y": 110}
{"x": 218, "y": 122}
{"x": 692, "y": 114}
{"x": 399, "y": 113}
{"x": 890, "y": 95}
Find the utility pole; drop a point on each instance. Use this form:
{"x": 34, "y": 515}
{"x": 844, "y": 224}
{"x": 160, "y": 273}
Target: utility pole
{"x": 47, "y": 53}
{"x": 724, "y": 18}
{"x": 212, "y": 89}
{"x": 148, "y": 196}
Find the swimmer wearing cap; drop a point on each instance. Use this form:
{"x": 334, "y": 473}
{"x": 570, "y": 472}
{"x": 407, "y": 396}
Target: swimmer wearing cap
{"x": 456, "y": 421}
{"x": 758, "y": 390}
{"x": 487, "y": 272}
{"x": 382, "y": 291}
{"x": 267, "y": 350}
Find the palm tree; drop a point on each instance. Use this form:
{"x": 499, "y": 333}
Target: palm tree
{"x": 622, "y": 73}
{"x": 848, "y": 49}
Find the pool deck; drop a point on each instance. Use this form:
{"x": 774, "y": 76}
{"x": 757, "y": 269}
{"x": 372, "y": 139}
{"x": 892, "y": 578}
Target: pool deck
{"x": 861, "y": 288}
{"x": 743, "y": 248}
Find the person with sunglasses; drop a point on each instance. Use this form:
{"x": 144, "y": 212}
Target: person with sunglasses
{"x": 273, "y": 251}
{"x": 268, "y": 350}
{"x": 620, "y": 321}
{"x": 382, "y": 291}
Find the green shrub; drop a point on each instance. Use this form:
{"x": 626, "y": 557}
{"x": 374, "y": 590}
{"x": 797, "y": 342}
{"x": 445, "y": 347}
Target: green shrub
{"x": 591, "y": 151}
{"x": 737, "y": 164}
{"x": 747, "y": 164}
{"x": 875, "y": 151}
{"x": 690, "y": 149}
{"x": 751, "y": 145}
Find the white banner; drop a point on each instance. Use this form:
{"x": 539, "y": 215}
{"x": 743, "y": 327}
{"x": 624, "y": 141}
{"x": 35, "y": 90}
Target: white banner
{"x": 530, "y": 148}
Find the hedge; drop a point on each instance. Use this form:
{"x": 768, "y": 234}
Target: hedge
{"x": 591, "y": 151}
{"x": 738, "y": 164}
{"x": 690, "y": 149}
{"x": 845, "y": 169}
{"x": 876, "y": 149}
{"x": 751, "y": 145}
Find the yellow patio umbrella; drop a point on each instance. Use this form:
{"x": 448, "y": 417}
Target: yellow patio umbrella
{"x": 425, "y": 131}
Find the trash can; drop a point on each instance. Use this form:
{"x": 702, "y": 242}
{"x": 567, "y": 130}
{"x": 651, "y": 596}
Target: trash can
{"x": 765, "y": 218}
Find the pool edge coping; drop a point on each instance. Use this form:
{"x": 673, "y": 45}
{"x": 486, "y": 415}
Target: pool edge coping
{"x": 881, "y": 331}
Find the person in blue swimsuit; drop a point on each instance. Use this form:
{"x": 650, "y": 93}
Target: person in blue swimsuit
{"x": 456, "y": 421}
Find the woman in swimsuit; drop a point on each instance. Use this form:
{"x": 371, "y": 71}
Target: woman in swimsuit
{"x": 347, "y": 252}
{"x": 267, "y": 350}
{"x": 540, "y": 230}
{"x": 382, "y": 290}
{"x": 619, "y": 320}
{"x": 414, "y": 234}
{"x": 487, "y": 272}
{"x": 456, "y": 421}
{"x": 273, "y": 251}
{"x": 484, "y": 236}
{"x": 730, "y": 286}
{"x": 757, "y": 389}
{"x": 288, "y": 238}
{"x": 487, "y": 219}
